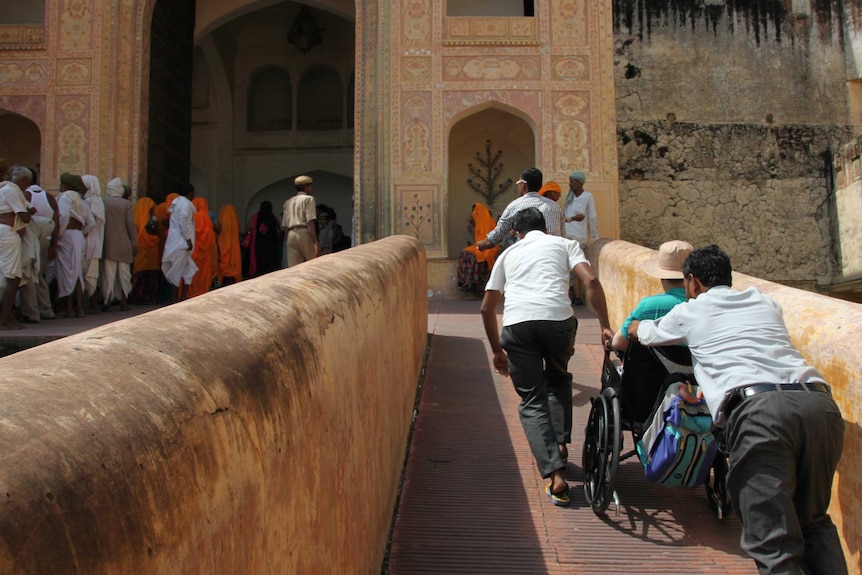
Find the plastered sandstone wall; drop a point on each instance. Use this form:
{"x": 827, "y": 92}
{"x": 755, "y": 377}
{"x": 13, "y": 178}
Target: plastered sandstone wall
{"x": 258, "y": 429}
{"x": 826, "y": 330}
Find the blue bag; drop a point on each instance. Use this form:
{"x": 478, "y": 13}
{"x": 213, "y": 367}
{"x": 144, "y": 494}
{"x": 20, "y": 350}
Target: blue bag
{"x": 678, "y": 447}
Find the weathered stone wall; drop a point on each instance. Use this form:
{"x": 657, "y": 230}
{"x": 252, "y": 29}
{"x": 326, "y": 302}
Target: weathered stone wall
{"x": 826, "y": 330}
{"x": 736, "y": 61}
{"x": 729, "y": 117}
{"x": 260, "y": 428}
{"x": 761, "y": 192}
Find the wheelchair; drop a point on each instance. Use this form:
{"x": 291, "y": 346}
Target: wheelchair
{"x": 631, "y": 394}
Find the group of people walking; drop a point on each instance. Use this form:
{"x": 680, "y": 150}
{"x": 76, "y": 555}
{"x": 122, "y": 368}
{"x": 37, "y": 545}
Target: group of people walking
{"x": 784, "y": 431}
{"x": 80, "y": 251}
{"x": 81, "y": 241}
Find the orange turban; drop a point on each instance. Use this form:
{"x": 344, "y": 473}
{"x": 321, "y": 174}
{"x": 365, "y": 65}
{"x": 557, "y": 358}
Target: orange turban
{"x": 550, "y": 187}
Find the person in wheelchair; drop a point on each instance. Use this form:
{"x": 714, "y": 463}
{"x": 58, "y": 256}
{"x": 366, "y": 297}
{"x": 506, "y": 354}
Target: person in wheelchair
{"x": 784, "y": 432}
{"x": 667, "y": 267}
{"x": 538, "y": 336}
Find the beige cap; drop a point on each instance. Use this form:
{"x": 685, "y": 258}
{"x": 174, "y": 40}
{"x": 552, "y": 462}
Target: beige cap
{"x": 668, "y": 264}
{"x": 302, "y": 181}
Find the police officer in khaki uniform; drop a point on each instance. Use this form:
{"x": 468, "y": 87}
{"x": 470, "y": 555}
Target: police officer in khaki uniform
{"x": 298, "y": 220}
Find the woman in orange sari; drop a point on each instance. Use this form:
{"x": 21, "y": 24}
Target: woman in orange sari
{"x": 147, "y": 268}
{"x": 230, "y": 257}
{"x": 474, "y": 266}
{"x": 204, "y": 244}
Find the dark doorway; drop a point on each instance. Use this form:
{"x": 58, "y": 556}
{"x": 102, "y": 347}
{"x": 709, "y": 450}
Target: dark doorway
{"x": 170, "y": 112}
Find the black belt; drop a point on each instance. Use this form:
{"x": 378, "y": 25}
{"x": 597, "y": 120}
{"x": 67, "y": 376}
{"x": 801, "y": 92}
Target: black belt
{"x": 740, "y": 394}
{"x": 302, "y": 227}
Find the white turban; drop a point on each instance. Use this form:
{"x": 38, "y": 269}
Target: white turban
{"x": 115, "y": 188}
{"x": 94, "y": 188}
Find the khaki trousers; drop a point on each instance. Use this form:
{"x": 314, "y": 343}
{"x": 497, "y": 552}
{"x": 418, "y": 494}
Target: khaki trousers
{"x": 300, "y": 246}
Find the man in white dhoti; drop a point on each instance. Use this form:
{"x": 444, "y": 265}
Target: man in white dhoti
{"x": 121, "y": 238}
{"x": 35, "y": 297}
{"x": 95, "y": 235}
{"x": 71, "y": 246}
{"x": 14, "y": 216}
{"x": 177, "y": 263}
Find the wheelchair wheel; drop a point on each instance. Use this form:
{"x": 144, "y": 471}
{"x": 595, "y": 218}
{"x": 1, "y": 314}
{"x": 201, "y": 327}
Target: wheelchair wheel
{"x": 601, "y": 454}
{"x": 716, "y": 487}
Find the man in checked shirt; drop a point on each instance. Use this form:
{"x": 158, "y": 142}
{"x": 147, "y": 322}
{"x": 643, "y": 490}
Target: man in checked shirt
{"x": 528, "y": 186}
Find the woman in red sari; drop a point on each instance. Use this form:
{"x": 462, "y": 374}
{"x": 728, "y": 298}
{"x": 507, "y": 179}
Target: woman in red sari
{"x": 205, "y": 241}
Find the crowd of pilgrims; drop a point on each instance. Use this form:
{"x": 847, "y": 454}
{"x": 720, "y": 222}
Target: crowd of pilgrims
{"x": 81, "y": 251}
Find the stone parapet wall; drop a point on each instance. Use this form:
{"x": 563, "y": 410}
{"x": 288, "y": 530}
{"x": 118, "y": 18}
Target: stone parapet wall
{"x": 260, "y": 428}
{"x": 826, "y": 330}
{"x": 762, "y": 192}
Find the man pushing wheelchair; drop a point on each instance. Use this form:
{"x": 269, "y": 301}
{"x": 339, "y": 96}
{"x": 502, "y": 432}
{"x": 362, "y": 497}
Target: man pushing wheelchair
{"x": 784, "y": 432}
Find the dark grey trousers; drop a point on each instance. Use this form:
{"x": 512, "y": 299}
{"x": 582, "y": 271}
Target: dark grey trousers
{"x": 539, "y": 353}
{"x": 784, "y": 448}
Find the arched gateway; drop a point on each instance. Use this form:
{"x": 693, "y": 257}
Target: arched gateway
{"x": 418, "y": 68}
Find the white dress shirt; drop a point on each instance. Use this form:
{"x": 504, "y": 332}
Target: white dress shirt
{"x": 736, "y": 338}
{"x": 534, "y": 276}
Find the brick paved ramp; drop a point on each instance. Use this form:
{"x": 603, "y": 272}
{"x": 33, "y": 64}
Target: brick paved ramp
{"x": 472, "y": 501}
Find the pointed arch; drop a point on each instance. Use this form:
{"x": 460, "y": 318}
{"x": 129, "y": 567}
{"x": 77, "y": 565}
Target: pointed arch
{"x": 485, "y": 138}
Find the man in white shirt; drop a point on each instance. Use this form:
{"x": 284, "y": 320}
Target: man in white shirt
{"x": 35, "y": 296}
{"x": 538, "y": 336}
{"x": 784, "y": 432}
{"x": 581, "y": 222}
{"x": 14, "y": 217}
{"x": 177, "y": 263}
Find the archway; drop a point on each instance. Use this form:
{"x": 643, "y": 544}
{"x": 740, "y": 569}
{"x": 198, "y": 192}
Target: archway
{"x": 272, "y": 111}
{"x": 20, "y": 141}
{"x": 486, "y": 132}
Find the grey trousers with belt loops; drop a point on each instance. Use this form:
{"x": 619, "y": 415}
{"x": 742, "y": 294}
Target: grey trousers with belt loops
{"x": 784, "y": 449}
{"x": 539, "y": 353}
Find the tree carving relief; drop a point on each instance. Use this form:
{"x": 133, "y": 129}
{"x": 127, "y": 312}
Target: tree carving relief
{"x": 417, "y": 213}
